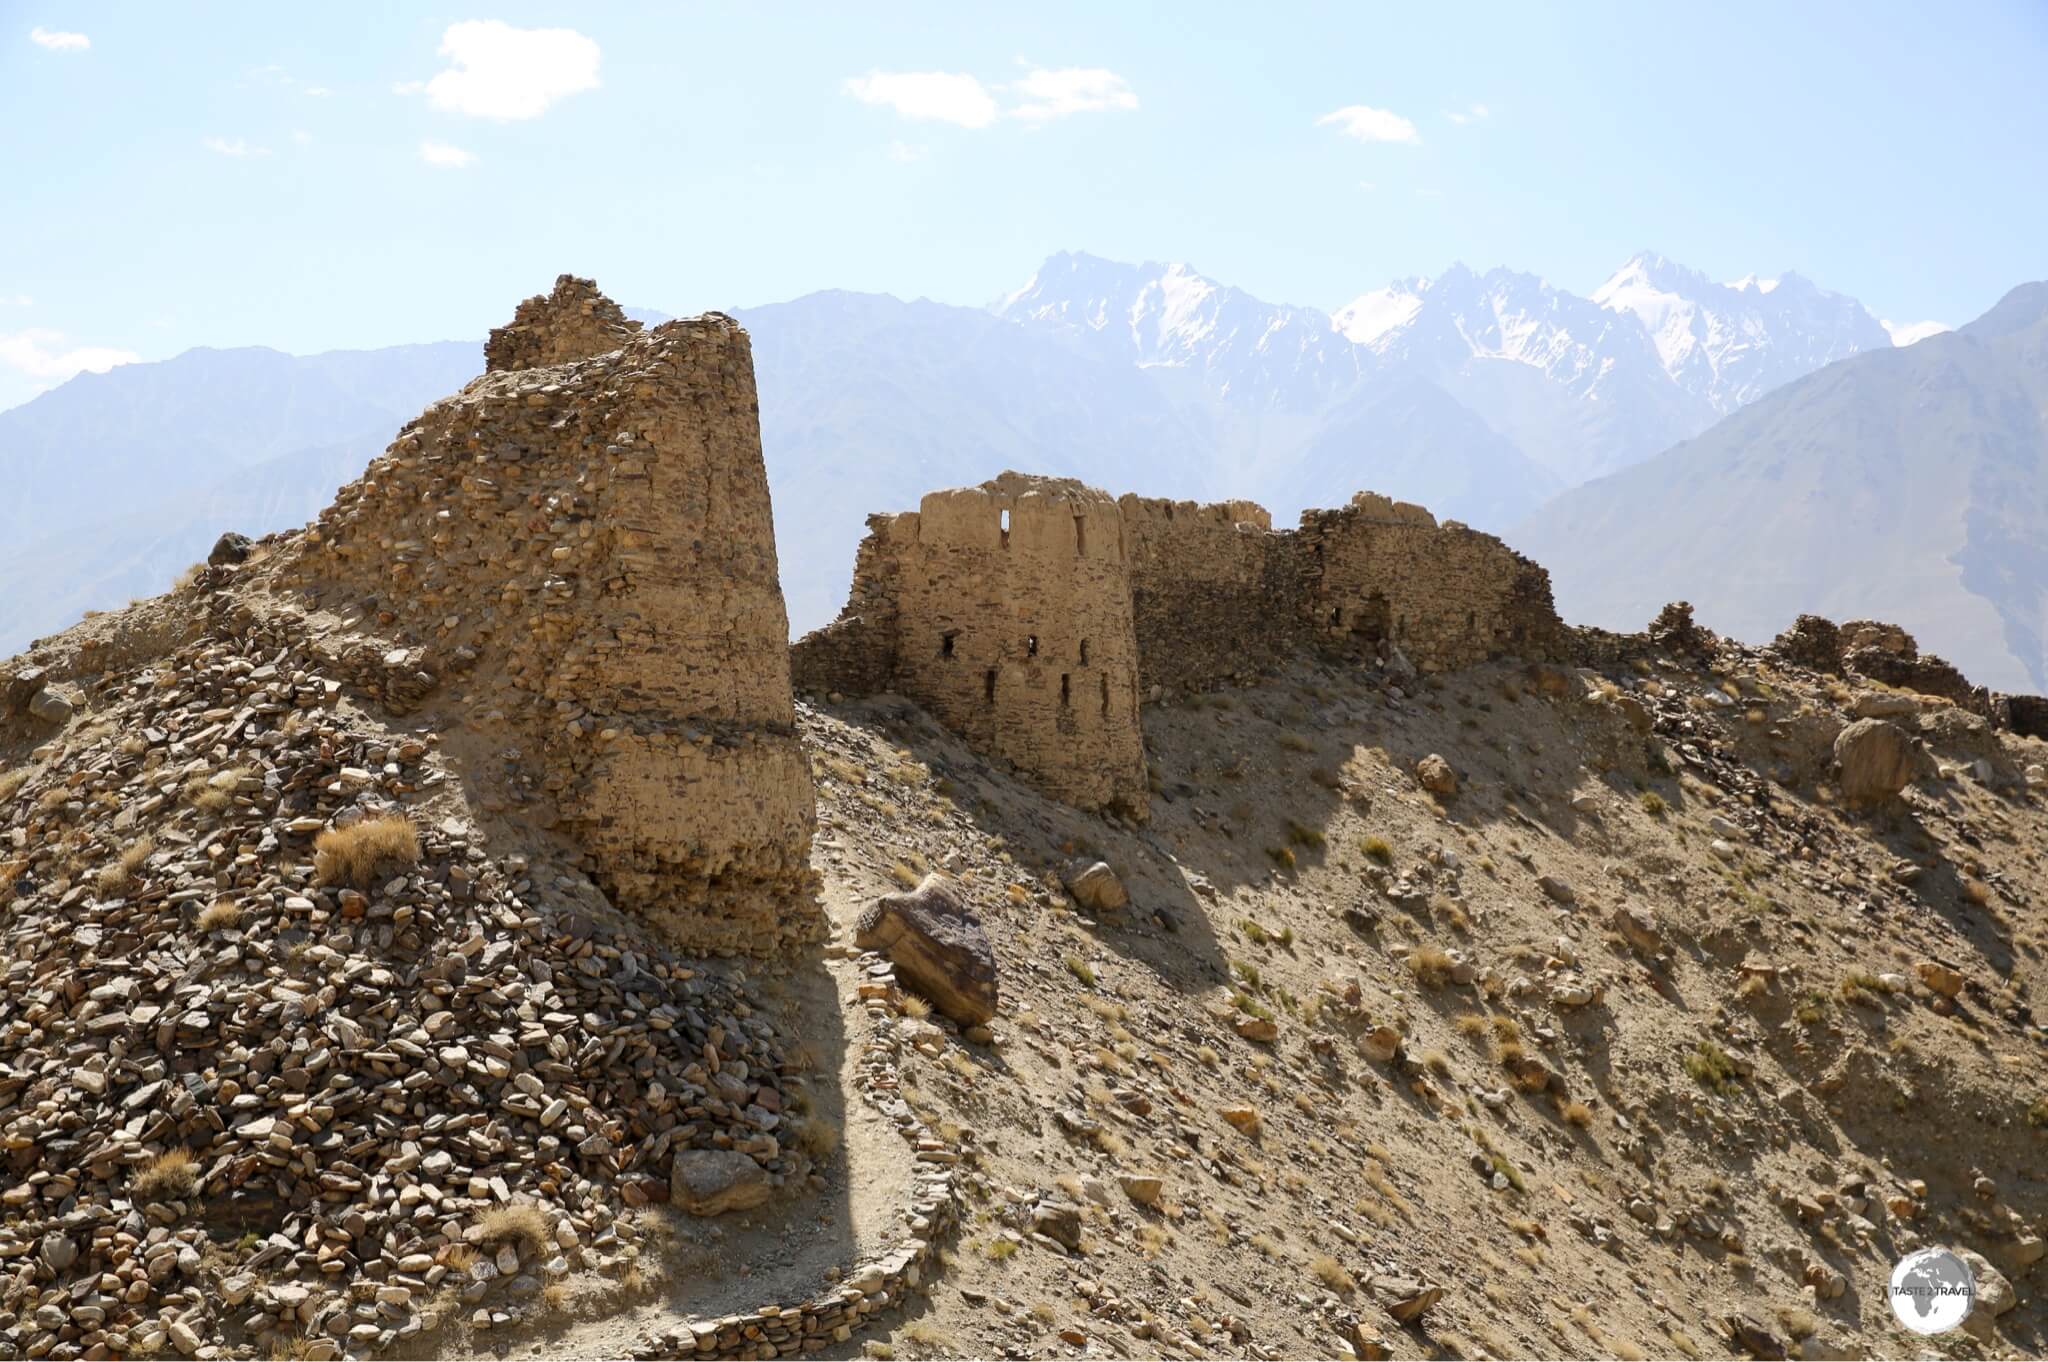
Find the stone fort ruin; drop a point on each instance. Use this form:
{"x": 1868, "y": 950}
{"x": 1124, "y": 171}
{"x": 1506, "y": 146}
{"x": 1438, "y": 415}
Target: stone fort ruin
{"x": 575, "y": 552}
{"x": 1031, "y": 614}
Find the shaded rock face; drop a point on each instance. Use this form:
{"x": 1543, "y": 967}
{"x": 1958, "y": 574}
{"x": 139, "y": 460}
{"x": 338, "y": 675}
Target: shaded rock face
{"x": 714, "y": 1181}
{"x": 1876, "y": 760}
{"x": 938, "y": 947}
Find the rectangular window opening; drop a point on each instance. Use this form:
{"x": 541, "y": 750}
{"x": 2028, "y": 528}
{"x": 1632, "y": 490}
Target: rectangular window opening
{"x": 988, "y": 686}
{"x": 1066, "y": 693}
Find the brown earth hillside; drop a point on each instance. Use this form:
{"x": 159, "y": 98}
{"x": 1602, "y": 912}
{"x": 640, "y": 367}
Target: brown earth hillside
{"x": 435, "y": 933}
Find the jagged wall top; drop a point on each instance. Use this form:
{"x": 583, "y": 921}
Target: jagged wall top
{"x": 575, "y": 321}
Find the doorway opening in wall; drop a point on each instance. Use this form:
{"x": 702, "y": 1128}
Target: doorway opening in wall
{"x": 1369, "y": 625}
{"x": 946, "y": 642}
{"x": 988, "y": 686}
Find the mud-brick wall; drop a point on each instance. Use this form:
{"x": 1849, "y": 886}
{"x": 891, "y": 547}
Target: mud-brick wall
{"x": 584, "y": 553}
{"x": 1013, "y": 627}
{"x": 1446, "y": 595}
{"x": 856, "y": 653}
{"x": 1207, "y": 605}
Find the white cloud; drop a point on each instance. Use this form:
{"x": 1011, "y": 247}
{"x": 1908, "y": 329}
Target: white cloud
{"x": 1906, "y": 333}
{"x": 56, "y": 41}
{"x": 46, "y": 357}
{"x": 446, "y": 157}
{"x": 302, "y": 137}
{"x": 318, "y": 91}
{"x": 936, "y": 96}
{"x": 232, "y": 146}
{"x": 17, "y": 300}
{"x": 1071, "y": 90}
{"x": 1474, "y": 113}
{"x": 905, "y": 152}
{"x": 498, "y": 71}
{"x": 1368, "y": 124}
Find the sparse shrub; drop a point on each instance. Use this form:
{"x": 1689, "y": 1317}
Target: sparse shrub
{"x": 1862, "y": 986}
{"x": 363, "y": 852}
{"x": 1438, "y": 1063}
{"x": 171, "y": 1176}
{"x": 1430, "y": 965}
{"x": 185, "y": 579}
{"x": 1710, "y": 1066}
{"x": 1281, "y": 856}
{"x": 1210, "y": 1058}
{"x": 817, "y": 1136}
{"x": 1294, "y": 742}
{"x": 1302, "y": 835}
{"x": 1653, "y": 803}
{"x": 1325, "y": 777}
{"x": 1000, "y": 1248}
{"x": 1576, "y": 1113}
{"x": 12, "y": 781}
{"x": 1081, "y": 970}
{"x": 1253, "y": 932}
{"x": 2037, "y": 1114}
{"x": 914, "y": 1007}
{"x": 1376, "y": 849}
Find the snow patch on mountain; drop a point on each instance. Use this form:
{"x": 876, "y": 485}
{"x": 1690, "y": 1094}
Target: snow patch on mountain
{"x": 1906, "y": 333}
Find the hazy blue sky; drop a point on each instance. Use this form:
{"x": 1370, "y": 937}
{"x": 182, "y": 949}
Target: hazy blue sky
{"x": 351, "y": 175}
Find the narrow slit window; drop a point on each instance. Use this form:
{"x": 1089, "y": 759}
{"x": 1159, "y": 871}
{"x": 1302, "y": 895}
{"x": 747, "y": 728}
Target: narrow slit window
{"x": 1105, "y": 695}
{"x": 988, "y": 686}
{"x": 1081, "y": 536}
{"x": 1084, "y": 652}
{"x": 1031, "y": 645}
{"x": 1066, "y": 692}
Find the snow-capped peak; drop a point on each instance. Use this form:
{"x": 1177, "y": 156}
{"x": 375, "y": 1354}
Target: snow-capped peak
{"x": 1906, "y": 333}
{"x": 1749, "y": 282}
{"x": 1371, "y": 315}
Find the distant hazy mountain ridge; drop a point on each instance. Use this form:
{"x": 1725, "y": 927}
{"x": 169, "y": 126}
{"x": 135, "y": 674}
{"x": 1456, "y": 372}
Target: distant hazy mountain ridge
{"x": 1479, "y": 396}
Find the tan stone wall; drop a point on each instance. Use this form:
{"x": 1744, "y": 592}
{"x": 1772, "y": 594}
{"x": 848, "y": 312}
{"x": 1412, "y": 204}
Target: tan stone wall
{"x": 580, "y": 557}
{"x": 1005, "y": 610}
{"x": 574, "y": 321}
{"x": 1446, "y": 595}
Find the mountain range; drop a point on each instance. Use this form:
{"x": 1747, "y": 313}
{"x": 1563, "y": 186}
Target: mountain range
{"x": 1908, "y": 485}
{"x": 1480, "y": 395}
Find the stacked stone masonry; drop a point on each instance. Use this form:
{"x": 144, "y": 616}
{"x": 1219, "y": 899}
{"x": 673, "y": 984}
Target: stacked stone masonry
{"x": 1029, "y": 614}
{"x": 583, "y": 551}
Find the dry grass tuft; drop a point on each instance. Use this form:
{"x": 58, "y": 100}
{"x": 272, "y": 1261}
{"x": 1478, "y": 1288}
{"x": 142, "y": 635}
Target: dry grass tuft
{"x": 361, "y": 853}
{"x": 515, "y": 1222}
{"x": 171, "y": 1176}
{"x": 1332, "y": 1274}
{"x": 910, "y": 1005}
{"x": 817, "y": 1136}
{"x": 117, "y": 879}
{"x": 219, "y": 916}
{"x": 12, "y": 781}
{"x": 1430, "y": 966}
{"x": 1576, "y": 1113}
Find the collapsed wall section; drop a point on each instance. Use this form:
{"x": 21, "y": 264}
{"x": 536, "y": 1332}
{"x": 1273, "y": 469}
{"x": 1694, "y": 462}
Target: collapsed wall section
{"x": 574, "y": 321}
{"x": 1382, "y": 573}
{"x": 587, "y": 548}
{"x": 1005, "y": 610}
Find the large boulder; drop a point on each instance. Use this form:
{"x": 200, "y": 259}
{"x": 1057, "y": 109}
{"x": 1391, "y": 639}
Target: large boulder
{"x": 714, "y": 1181}
{"x": 1096, "y": 887}
{"x": 1876, "y": 760}
{"x": 1435, "y": 775}
{"x": 938, "y": 946}
{"x": 229, "y": 549}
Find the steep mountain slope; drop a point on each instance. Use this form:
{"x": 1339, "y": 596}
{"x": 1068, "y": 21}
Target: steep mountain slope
{"x": 1908, "y": 483}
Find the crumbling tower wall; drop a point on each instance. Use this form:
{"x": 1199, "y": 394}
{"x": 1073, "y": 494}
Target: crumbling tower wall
{"x": 1380, "y": 572}
{"x": 1207, "y": 602}
{"x": 574, "y": 321}
{"x": 579, "y": 559}
{"x": 1005, "y": 610}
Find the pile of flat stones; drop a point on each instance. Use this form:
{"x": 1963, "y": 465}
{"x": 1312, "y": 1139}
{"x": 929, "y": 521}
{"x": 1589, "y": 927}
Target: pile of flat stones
{"x": 242, "y": 1111}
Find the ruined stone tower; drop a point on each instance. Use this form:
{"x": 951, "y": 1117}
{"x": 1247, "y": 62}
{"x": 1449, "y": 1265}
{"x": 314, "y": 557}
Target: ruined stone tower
{"x": 575, "y": 551}
{"x": 1005, "y": 610}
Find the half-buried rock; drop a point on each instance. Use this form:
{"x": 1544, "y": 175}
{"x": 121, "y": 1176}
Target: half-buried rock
{"x": 938, "y": 947}
{"x": 714, "y": 1181}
